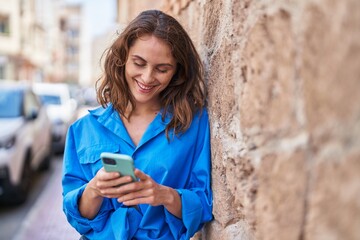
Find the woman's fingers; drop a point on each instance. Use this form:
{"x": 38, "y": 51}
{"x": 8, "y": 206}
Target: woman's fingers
{"x": 141, "y": 175}
{"x": 135, "y": 195}
{"x": 137, "y": 201}
{"x": 144, "y": 191}
{"x": 102, "y": 175}
{"x": 107, "y": 183}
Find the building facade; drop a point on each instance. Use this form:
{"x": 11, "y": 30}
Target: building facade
{"x": 70, "y": 28}
{"x": 39, "y": 40}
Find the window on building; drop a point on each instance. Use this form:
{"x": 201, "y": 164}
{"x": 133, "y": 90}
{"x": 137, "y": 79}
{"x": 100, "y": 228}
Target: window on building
{"x": 4, "y": 25}
{"x": 73, "y": 33}
{"x": 72, "y": 50}
{"x": 62, "y": 24}
{"x": 22, "y": 7}
{"x": 2, "y": 72}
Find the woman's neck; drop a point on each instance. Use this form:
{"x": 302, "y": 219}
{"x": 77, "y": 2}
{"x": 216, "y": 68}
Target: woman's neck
{"x": 144, "y": 109}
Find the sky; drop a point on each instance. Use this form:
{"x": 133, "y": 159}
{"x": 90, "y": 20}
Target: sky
{"x": 100, "y": 15}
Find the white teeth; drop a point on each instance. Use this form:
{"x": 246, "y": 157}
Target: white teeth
{"x": 144, "y": 87}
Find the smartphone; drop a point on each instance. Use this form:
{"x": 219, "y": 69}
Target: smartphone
{"x": 115, "y": 162}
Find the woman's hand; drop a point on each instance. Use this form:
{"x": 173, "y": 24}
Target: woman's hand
{"x": 147, "y": 191}
{"x": 105, "y": 184}
{"x": 102, "y": 185}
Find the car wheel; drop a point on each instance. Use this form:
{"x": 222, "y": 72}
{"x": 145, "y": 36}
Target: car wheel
{"x": 45, "y": 165}
{"x": 22, "y": 190}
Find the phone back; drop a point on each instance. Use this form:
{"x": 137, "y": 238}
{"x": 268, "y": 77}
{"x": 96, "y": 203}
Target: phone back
{"x": 115, "y": 162}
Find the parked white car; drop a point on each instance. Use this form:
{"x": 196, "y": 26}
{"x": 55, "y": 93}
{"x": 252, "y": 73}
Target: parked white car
{"x": 25, "y": 140}
{"x": 60, "y": 108}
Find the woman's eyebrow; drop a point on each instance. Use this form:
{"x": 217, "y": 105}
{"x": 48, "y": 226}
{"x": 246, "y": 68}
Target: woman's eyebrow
{"x": 161, "y": 64}
{"x": 137, "y": 56}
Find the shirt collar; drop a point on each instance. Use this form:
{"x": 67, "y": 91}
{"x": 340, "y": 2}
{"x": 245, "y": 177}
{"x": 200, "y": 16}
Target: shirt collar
{"x": 110, "y": 119}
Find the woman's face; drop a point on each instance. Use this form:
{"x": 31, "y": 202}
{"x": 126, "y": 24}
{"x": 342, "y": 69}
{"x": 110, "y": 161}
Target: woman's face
{"x": 149, "y": 69}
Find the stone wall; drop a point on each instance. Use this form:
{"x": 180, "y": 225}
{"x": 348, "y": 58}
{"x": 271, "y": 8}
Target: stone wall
{"x": 284, "y": 101}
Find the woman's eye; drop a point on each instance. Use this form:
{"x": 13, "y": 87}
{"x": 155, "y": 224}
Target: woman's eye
{"x": 162, "y": 70}
{"x": 139, "y": 64}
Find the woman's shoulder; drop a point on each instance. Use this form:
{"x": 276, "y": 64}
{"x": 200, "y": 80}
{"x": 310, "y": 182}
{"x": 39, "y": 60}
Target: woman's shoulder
{"x": 92, "y": 114}
{"x": 100, "y": 110}
{"x": 200, "y": 120}
{"x": 202, "y": 114}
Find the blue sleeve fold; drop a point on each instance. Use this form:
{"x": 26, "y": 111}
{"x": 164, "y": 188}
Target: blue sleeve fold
{"x": 81, "y": 224}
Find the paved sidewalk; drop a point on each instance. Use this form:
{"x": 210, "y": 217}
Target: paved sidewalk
{"x": 46, "y": 221}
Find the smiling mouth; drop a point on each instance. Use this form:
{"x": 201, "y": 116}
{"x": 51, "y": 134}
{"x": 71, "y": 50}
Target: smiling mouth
{"x": 145, "y": 88}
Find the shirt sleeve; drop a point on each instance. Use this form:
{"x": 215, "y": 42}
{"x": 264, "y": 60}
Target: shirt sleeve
{"x": 74, "y": 183}
{"x": 196, "y": 198}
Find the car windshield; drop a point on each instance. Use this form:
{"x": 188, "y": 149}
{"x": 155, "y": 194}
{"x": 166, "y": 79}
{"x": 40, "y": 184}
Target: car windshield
{"x": 10, "y": 103}
{"x": 50, "y": 99}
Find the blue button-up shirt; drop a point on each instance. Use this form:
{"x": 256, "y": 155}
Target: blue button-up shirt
{"x": 182, "y": 162}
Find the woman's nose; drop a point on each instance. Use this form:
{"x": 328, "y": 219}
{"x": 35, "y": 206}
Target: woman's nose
{"x": 147, "y": 75}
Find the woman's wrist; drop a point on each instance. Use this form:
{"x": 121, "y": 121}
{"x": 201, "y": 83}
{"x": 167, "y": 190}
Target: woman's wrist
{"x": 92, "y": 192}
{"x": 173, "y": 202}
{"x": 90, "y": 202}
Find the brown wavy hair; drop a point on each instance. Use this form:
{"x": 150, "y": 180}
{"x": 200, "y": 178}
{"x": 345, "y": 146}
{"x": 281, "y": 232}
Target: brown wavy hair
{"x": 186, "y": 91}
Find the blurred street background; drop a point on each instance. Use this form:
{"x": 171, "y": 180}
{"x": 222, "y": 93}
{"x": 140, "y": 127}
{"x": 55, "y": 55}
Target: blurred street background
{"x": 50, "y": 60}
{"x": 41, "y": 217}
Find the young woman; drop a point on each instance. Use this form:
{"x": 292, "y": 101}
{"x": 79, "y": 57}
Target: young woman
{"x": 153, "y": 109}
